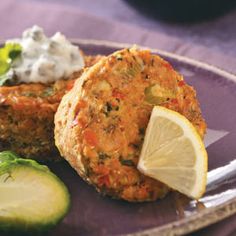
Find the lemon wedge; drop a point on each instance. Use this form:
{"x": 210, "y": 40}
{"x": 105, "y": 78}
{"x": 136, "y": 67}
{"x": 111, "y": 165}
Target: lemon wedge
{"x": 174, "y": 153}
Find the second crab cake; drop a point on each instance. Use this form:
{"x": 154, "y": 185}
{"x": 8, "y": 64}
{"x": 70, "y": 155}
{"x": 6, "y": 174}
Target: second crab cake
{"x": 100, "y": 124}
{"x": 35, "y": 73}
{"x": 27, "y": 116}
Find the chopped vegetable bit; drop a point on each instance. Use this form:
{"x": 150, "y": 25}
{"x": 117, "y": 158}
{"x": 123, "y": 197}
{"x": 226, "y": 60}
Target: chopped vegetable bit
{"x": 103, "y": 156}
{"x": 155, "y": 94}
{"x": 103, "y": 86}
{"x": 167, "y": 66}
{"x": 126, "y": 162}
{"x": 104, "y": 180}
{"x": 90, "y": 137}
{"x": 130, "y": 71}
{"x": 118, "y": 94}
{"x": 108, "y": 107}
{"x": 70, "y": 85}
{"x": 8, "y": 54}
{"x": 119, "y": 57}
{"x": 181, "y": 83}
{"x": 47, "y": 92}
{"x": 174, "y": 101}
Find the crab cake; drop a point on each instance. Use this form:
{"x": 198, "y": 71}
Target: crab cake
{"x": 27, "y": 116}
{"x": 100, "y": 124}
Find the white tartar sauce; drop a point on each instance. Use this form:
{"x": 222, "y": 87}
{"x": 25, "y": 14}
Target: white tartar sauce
{"x": 43, "y": 59}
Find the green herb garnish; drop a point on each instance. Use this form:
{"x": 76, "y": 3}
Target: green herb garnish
{"x": 8, "y": 54}
{"x": 103, "y": 156}
{"x": 47, "y": 92}
{"x": 126, "y": 162}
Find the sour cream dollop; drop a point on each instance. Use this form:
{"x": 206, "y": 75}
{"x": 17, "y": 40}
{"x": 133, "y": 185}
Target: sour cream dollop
{"x": 43, "y": 59}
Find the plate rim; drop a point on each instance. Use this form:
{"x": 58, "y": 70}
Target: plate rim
{"x": 207, "y": 216}
{"x": 197, "y": 63}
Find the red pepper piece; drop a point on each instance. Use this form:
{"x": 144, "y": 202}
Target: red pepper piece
{"x": 174, "y": 101}
{"x": 118, "y": 94}
{"x": 104, "y": 180}
{"x": 167, "y": 66}
{"x": 181, "y": 83}
{"x": 81, "y": 104}
{"x": 90, "y": 137}
{"x": 82, "y": 123}
{"x": 70, "y": 85}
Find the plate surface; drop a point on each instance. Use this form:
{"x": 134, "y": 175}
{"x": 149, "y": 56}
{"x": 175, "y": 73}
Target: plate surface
{"x": 92, "y": 214}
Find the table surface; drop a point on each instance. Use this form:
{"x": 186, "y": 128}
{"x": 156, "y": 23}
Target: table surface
{"x": 212, "y": 41}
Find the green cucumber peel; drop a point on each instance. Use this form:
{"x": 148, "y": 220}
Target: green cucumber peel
{"x": 9, "y": 157}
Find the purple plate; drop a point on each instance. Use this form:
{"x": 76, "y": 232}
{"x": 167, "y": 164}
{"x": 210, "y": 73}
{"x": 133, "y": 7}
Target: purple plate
{"x": 93, "y": 214}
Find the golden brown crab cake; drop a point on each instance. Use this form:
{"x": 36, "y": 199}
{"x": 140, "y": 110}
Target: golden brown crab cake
{"x": 27, "y": 116}
{"x": 100, "y": 124}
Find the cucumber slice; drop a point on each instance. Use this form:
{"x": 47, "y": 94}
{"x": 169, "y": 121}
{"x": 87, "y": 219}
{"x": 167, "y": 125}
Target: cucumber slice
{"x": 31, "y": 197}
